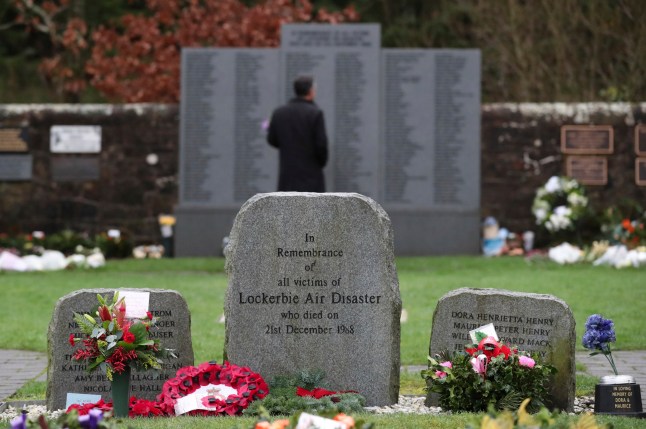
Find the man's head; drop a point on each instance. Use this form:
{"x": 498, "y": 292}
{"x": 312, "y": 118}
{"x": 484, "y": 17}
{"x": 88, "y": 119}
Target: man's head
{"x": 304, "y": 87}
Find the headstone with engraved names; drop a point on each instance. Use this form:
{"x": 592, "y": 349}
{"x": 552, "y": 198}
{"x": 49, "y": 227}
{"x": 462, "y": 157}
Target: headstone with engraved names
{"x": 540, "y": 324}
{"x": 68, "y": 376}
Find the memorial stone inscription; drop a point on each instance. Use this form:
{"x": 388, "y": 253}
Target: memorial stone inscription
{"x": 313, "y": 285}
{"x": 66, "y": 375}
{"x": 540, "y": 324}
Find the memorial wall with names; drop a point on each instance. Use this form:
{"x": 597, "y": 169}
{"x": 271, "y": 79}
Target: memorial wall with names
{"x": 403, "y": 127}
{"x": 227, "y": 97}
{"x": 344, "y": 60}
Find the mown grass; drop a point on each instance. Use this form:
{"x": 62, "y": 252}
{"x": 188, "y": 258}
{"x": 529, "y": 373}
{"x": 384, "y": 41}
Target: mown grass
{"x": 28, "y": 299}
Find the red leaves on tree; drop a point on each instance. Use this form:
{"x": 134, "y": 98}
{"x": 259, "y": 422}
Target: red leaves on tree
{"x": 140, "y": 60}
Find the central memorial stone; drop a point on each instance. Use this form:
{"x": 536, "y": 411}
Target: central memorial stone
{"x": 313, "y": 285}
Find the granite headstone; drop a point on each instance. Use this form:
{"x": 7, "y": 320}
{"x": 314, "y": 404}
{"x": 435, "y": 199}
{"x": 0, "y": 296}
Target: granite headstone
{"x": 313, "y": 285}
{"x": 540, "y": 324}
{"x": 66, "y": 375}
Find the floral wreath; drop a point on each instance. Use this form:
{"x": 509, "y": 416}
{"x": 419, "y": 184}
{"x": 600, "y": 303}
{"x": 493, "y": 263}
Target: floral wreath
{"x": 215, "y": 381}
{"x": 559, "y": 203}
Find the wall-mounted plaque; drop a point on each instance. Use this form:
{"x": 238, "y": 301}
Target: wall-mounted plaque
{"x": 588, "y": 170}
{"x": 75, "y": 169}
{"x": 587, "y": 139}
{"x": 640, "y": 140}
{"x": 15, "y": 167}
{"x": 11, "y": 140}
{"x": 640, "y": 171}
{"x": 75, "y": 139}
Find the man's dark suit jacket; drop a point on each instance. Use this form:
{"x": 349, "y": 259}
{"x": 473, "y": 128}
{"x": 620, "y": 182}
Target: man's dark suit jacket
{"x": 297, "y": 129}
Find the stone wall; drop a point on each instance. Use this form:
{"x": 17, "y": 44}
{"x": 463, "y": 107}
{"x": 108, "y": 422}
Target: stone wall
{"x": 129, "y": 194}
{"x": 520, "y": 151}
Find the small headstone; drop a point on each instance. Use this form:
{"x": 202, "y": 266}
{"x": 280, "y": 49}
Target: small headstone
{"x": 313, "y": 286}
{"x": 66, "y": 375}
{"x": 541, "y": 324}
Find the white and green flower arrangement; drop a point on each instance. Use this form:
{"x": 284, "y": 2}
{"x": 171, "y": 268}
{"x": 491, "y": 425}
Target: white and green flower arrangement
{"x": 559, "y": 204}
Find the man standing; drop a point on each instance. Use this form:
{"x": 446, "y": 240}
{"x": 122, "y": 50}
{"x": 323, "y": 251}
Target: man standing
{"x": 297, "y": 129}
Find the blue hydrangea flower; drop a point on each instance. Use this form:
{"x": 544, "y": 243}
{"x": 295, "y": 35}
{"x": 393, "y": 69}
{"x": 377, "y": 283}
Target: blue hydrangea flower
{"x": 599, "y": 333}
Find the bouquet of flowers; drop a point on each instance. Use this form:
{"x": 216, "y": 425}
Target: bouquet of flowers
{"x": 113, "y": 342}
{"x": 486, "y": 374}
{"x": 559, "y": 204}
{"x": 599, "y": 333}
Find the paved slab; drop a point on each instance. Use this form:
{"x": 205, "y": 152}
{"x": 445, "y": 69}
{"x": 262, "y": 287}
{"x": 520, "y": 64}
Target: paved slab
{"x": 17, "y": 367}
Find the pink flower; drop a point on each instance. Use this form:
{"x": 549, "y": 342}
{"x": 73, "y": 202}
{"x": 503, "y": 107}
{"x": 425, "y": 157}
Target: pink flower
{"x": 442, "y": 374}
{"x": 526, "y": 361}
{"x": 479, "y": 364}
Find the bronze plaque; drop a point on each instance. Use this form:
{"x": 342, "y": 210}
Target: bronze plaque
{"x": 587, "y": 139}
{"x": 640, "y": 171}
{"x": 11, "y": 140}
{"x": 640, "y": 140}
{"x": 588, "y": 170}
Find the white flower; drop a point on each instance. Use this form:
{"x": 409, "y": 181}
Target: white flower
{"x": 553, "y": 185}
{"x": 562, "y": 211}
{"x": 560, "y": 219}
{"x": 577, "y": 200}
{"x": 541, "y": 215}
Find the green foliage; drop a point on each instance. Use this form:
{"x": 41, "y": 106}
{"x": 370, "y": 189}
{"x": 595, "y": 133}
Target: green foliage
{"x": 505, "y": 384}
{"x": 283, "y": 401}
{"x": 120, "y": 247}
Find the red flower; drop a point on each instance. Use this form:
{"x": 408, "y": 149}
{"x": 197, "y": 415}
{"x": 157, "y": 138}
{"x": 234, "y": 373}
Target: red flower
{"x": 72, "y": 340}
{"x": 150, "y": 315}
{"x": 490, "y": 348}
{"x": 104, "y": 313}
{"x": 128, "y": 337}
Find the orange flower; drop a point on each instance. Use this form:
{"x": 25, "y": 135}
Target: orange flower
{"x": 628, "y": 226}
{"x": 280, "y": 424}
{"x": 345, "y": 419}
{"x": 262, "y": 425}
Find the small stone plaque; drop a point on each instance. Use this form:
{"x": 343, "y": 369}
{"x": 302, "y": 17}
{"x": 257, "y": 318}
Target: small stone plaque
{"x": 15, "y": 167}
{"x": 66, "y": 375}
{"x": 313, "y": 285}
{"x": 588, "y": 170}
{"x": 74, "y": 169}
{"x": 640, "y": 171}
{"x": 587, "y": 139}
{"x": 640, "y": 140}
{"x": 618, "y": 399}
{"x": 11, "y": 140}
{"x": 75, "y": 139}
{"x": 539, "y": 324}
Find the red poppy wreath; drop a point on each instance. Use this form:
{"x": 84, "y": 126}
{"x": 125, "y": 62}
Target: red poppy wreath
{"x": 211, "y": 389}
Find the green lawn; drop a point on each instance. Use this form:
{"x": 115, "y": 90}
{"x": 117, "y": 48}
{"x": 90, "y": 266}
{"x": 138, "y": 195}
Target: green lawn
{"x": 28, "y": 299}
